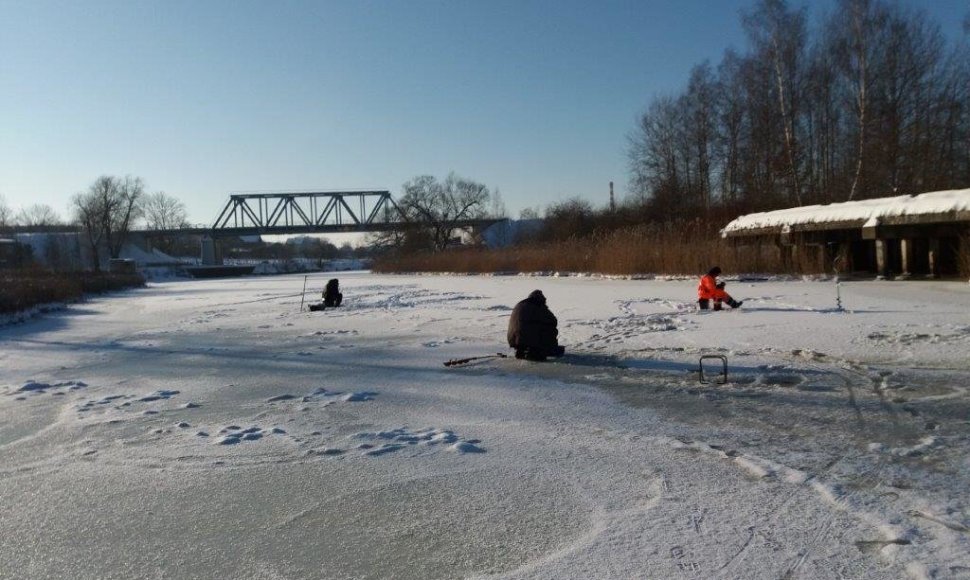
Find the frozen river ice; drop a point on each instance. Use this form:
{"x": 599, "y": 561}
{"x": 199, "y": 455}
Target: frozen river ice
{"x": 204, "y": 429}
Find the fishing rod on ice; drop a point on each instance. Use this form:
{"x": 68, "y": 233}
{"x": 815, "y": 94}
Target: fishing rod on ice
{"x": 461, "y": 361}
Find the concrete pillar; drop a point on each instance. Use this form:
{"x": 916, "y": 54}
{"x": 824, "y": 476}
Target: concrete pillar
{"x": 906, "y": 251}
{"x": 934, "y": 258}
{"x": 882, "y": 258}
{"x": 208, "y": 251}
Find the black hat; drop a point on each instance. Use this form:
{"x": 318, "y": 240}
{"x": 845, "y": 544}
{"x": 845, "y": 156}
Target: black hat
{"x": 537, "y": 296}
{"x": 715, "y": 271}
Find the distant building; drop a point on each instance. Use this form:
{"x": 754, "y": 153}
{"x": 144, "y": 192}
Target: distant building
{"x": 13, "y": 254}
{"x": 903, "y": 236}
{"x": 61, "y": 251}
{"x": 510, "y": 232}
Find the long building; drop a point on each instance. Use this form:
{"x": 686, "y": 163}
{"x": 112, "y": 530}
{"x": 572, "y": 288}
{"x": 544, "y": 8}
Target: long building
{"x": 925, "y": 235}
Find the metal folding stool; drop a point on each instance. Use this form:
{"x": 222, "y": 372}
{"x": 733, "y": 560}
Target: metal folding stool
{"x": 724, "y": 368}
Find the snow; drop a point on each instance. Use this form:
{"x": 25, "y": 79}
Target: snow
{"x": 155, "y": 257}
{"x": 868, "y": 212}
{"x": 209, "y": 428}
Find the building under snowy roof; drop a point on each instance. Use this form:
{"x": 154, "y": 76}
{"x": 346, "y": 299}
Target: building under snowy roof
{"x": 13, "y": 254}
{"x": 903, "y": 235}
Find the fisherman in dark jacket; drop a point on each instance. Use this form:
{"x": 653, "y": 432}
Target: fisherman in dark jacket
{"x": 331, "y": 294}
{"x": 532, "y": 329}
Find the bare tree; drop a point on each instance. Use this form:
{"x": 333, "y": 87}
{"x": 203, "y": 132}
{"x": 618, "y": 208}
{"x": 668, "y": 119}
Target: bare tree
{"x": 699, "y": 133}
{"x": 38, "y": 214}
{"x": 6, "y": 213}
{"x": 730, "y": 134}
{"x": 654, "y": 156}
{"x": 164, "y": 212}
{"x": 89, "y": 207}
{"x": 497, "y": 208}
{"x": 126, "y": 208}
{"x": 777, "y": 35}
{"x": 573, "y": 217}
{"x": 824, "y": 124}
{"x": 870, "y": 103}
{"x": 435, "y": 207}
{"x": 106, "y": 212}
{"x": 857, "y": 49}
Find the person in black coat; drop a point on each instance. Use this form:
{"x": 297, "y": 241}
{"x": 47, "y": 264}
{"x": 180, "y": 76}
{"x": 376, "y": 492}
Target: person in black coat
{"x": 331, "y": 294}
{"x": 532, "y": 329}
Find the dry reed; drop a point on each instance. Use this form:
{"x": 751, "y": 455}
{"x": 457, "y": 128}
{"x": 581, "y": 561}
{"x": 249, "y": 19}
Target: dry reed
{"x": 683, "y": 248}
{"x": 23, "y": 289}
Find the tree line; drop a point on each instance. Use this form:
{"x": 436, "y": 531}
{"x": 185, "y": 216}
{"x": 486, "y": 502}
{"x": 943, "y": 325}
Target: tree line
{"x": 112, "y": 205}
{"x": 872, "y": 102}
{"x": 105, "y": 212}
{"x": 157, "y": 210}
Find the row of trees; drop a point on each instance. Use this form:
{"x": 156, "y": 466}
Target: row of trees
{"x": 109, "y": 208}
{"x": 872, "y": 103}
{"x": 37, "y": 214}
{"x": 155, "y": 210}
{"x": 105, "y": 212}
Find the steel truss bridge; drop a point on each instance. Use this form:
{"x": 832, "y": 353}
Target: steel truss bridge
{"x": 319, "y": 212}
{"x": 314, "y": 212}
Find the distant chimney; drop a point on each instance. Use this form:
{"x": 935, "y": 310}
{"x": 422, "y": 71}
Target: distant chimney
{"x": 612, "y": 201}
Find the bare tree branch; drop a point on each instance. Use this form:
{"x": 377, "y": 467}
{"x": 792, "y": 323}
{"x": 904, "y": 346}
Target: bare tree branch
{"x": 38, "y": 214}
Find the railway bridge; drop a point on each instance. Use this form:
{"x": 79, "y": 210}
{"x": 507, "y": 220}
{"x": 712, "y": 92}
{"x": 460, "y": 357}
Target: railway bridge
{"x": 304, "y": 212}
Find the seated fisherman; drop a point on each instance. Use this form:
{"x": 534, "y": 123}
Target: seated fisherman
{"x": 710, "y": 289}
{"x": 331, "y": 294}
{"x": 533, "y": 331}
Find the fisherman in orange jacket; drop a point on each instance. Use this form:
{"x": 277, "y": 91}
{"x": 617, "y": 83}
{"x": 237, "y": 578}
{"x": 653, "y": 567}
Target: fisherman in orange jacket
{"x": 710, "y": 289}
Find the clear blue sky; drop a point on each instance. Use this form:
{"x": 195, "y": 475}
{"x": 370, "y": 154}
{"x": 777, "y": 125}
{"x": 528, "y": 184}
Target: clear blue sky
{"x": 202, "y": 98}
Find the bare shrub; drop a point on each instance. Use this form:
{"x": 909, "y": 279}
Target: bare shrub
{"x": 100, "y": 283}
{"x": 20, "y": 291}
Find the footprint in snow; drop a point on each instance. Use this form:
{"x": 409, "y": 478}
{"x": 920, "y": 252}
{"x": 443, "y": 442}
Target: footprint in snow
{"x": 284, "y": 397}
{"x": 327, "y": 397}
{"x": 158, "y": 396}
{"x": 401, "y": 438}
{"x": 39, "y": 388}
{"x": 234, "y": 434}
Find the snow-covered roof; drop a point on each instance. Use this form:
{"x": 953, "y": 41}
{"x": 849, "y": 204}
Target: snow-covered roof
{"x": 936, "y": 206}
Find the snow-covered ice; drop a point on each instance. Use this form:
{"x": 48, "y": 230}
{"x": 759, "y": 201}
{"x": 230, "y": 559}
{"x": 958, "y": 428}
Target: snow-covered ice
{"x": 202, "y": 429}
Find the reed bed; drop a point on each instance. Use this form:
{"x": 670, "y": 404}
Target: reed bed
{"x": 683, "y": 248}
{"x": 23, "y": 289}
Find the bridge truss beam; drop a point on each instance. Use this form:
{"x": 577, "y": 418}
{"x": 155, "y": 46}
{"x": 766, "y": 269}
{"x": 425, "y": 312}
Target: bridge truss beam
{"x": 325, "y": 211}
